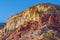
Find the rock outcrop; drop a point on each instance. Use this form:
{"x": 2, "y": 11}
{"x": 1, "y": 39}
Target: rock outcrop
{"x": 40, "y": 22}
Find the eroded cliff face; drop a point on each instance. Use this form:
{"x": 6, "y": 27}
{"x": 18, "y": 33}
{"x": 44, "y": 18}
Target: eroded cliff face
{"x": 33, "y": 30}
{"x": 40, "y": 22}
{"x": 33, "y": 13}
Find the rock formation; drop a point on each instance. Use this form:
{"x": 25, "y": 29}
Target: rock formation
{"x": 40, "y": 22}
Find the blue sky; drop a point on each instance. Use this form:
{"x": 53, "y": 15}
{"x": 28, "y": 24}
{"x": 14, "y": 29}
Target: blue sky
{"x": 10, "y": 7}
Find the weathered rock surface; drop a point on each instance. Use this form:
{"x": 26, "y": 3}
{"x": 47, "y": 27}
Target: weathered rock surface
{"x": 40, "y": 22}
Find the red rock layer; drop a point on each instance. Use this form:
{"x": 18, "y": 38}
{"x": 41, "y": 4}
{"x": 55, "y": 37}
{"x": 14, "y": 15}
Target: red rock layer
{"x": 34, "y": 18}
{"x": 29, "y": 27}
